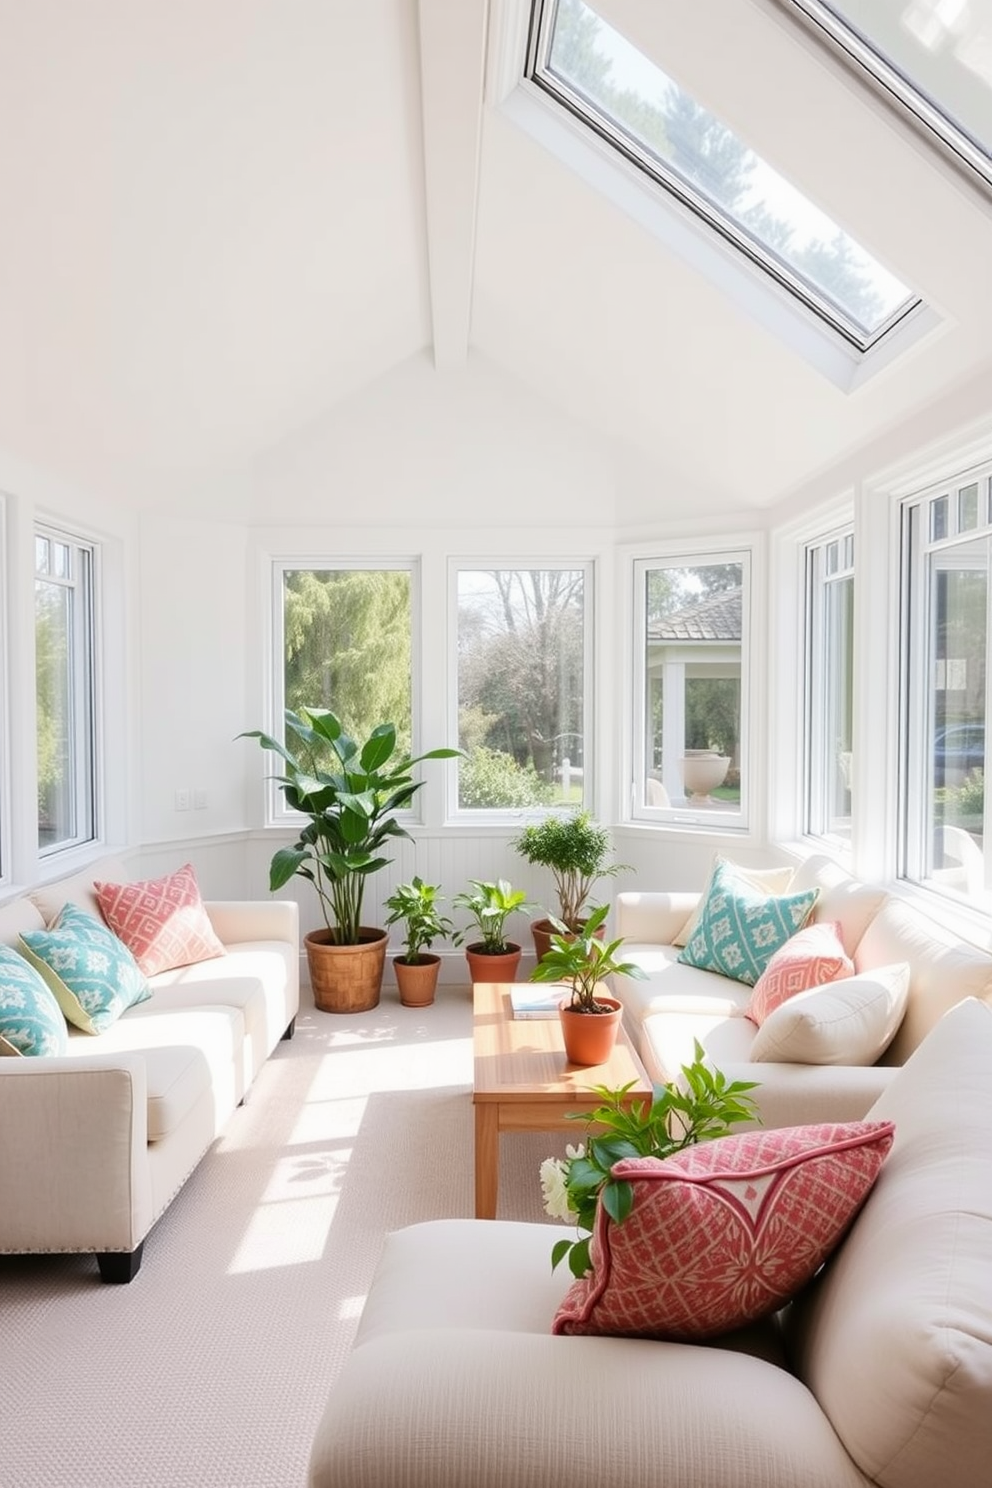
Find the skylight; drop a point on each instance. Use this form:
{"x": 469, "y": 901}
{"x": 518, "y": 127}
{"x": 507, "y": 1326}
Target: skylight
{"x": 604, "y": 80}
{"x": 934, "y": 57}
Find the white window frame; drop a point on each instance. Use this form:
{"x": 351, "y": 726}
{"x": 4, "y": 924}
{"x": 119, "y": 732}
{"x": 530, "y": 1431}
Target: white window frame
{"x": 277, "y": 814}
{"x": 815, "y": 684}
{"x": 709, "y": 820}
{"x": 5, "y": 736}
{"x": 85, "y": 687}
{"x": 457, "y": 815}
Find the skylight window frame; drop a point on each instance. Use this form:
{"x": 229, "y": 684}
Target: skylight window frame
{"x": 893, "y": 85}
{"x": 613, "y": 134}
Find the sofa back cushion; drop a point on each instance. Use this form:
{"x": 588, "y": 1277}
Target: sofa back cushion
{"x": 841, "y": 899}
{"x": 77, "y": 889}
{"x": 894, "y": 1337}
{"x": 943, "y": 970}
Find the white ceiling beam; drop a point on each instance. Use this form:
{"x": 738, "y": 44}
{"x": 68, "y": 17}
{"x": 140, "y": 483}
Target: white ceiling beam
{"x": 452, "y": 65}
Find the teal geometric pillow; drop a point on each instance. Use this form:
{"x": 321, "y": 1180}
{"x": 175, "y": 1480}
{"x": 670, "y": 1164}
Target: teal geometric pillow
{"x": 741, "y": 927}
{"x": 93, "y": 975}
{"x": 30, "y": 1019}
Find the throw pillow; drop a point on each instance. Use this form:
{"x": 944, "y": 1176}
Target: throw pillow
{"x": 769, "y": 880}
{"x": 809, "y": 958}
{"x": 162, "y": 920}
{"x": 93, "y": 976}
{"x": 725, "y": 1232}
{"x": 852, "y": 1021}
{"x": 741, "y": 928}
{"x": 30, "y": 1019}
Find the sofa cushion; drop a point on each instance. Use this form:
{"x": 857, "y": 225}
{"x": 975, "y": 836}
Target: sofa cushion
{"x": 850, "y": 1021}
{"x": 93, "y": 975}
{"x": 723, "y": 1232}
{"x": 769, "y": 880}
{"x": 77, "y": 889}
{"x": 812, "y": 956}
{"x": 31, "y": 1021}
{"x": 895, "y": 1336}
{"x": 741, "y": 927}
{"x": 161, "y": 920}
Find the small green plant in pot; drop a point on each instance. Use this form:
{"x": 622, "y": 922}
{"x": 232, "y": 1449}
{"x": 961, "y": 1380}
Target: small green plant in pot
{"x": 489, "y": 905}
{"x": 577, "y": 851}
{"x": 581, "y": 960}
{"x": 417, "y": 905}
{"x": 348, "y": 794}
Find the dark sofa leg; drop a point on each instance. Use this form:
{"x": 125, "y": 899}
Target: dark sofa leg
{"x": 119, "y": 1265}
{"x": 290, "y": 1029}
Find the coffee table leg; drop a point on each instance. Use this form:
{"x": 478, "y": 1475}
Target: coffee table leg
{"x": 486, "y": 1159}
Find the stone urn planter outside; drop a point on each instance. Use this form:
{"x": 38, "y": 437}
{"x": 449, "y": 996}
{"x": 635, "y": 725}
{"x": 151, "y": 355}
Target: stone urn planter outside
{"x": 703, "y": 770}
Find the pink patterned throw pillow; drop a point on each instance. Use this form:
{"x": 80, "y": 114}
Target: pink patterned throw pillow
{"x": 724, "y": 1232}
{"x": 810, "y": 958}
{"x": 162, "y": 921}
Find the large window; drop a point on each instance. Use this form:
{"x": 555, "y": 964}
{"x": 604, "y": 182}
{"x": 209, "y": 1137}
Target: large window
{"x": 828, "y": 756}
{"x": 65, "y": 690}
{"x": 591, "y": 70}
{"x": 347, "y": 644}
{"x": 947, "y": 550}
{"x": 691, "y": 630}
{"x": 523, "y": 688}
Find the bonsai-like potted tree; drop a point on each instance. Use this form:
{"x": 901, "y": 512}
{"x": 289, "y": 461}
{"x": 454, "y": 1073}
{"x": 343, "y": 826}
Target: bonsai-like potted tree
{"x": 417, "y": 905}
{"x": 581, "y": 960}
{"x": 492, "y": 958}
{"x": 577, "y": 850}
{"x": 349, "y": 795}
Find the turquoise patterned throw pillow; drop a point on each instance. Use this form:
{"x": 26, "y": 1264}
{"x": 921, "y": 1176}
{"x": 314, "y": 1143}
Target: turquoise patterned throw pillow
{"x": 740, "y": 927}
{"x": 30, "y": 1019}
{"x": 93, "y": 975}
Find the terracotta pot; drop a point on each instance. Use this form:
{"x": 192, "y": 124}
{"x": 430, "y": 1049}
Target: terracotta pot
{"x": 590, "y": 1037}
{"x": 346, "y": 978}
{"x": 485, "y": 967}
{"x": 417, "y": 980}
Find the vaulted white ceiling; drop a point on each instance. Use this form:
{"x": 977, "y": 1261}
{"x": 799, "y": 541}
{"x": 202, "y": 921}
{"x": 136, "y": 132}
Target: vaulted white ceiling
{"x": 220, "y": 217}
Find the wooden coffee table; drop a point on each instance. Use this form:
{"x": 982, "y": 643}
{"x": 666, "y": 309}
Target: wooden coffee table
{"x": 523, "y": 1082}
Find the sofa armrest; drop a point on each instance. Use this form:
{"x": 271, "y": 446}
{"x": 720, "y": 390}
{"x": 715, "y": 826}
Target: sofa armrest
{"x": 73, "y": 1159}
{"x": 254, "y": 919}
{"x": 655, "y": 917}
{"x": 487, "y": 1408}
{"x": 801, "y": 1094}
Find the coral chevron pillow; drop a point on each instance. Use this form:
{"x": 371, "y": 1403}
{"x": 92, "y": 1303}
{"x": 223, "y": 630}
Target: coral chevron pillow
{"x": 162, "y": 920}
{"x": 810, "y": 958}
{"x": 724, "y": 1232}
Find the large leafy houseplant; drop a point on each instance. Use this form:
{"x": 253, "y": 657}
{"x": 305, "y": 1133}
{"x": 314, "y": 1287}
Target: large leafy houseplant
{"x": 577, "y": 850}
{"x": 349, "y": 795}
{"x": 697, "y": 1108}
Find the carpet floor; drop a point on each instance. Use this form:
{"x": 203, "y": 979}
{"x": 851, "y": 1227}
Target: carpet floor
{"x": 212, "y": 1367}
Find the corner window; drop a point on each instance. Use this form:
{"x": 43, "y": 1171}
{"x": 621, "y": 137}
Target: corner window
{"x": 828, "y": 752}
{"x": 65, "y": 690}
{"x": 523, "y": 655}
{"x": 691, "y": 649}
{"x": 947, "y": 552}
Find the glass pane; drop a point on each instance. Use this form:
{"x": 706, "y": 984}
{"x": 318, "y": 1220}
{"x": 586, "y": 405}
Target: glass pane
{"x": 712, "y": 168}
{"x": 938, "y": 518}
{"x": 521, "y": 642}
{"x": 839, "y": 662}
{"x": 693, "y": 686}
{"x": 57, "y": 817}
{"x": 348, "y": 647}
{"x": 959, "y": 644}
{"x": 968, "y": 508}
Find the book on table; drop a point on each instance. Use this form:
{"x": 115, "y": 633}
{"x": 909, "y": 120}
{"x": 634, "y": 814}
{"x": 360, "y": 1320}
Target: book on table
{"x": 537, "y": 1000}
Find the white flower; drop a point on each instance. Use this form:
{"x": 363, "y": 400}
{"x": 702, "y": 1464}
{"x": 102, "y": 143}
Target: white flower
{"x": 554, "y": 1172}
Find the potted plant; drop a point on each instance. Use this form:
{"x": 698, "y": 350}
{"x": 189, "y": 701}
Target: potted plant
{"x": 349, "y": 795}
{"x": 492, "y": 958}
{"x": 580, "y": 960}
{"x": 577, "y": 850}
{"x": 417, "y": 904}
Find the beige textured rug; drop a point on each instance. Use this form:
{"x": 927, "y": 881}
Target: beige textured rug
{"x": 212, "y": 1367}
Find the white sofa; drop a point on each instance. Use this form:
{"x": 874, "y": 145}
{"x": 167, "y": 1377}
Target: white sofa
{"x": 677, "y": 1004}
{"x": 880, "y": 1373}
{"x": 94, "y": 1144}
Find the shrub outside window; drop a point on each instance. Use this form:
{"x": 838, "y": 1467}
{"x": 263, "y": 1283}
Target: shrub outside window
{"x": 65, "y": 690}
{"x": 691, "y": 648}
{"x": 828, "y": 753}
{"x": 523, "y": 658}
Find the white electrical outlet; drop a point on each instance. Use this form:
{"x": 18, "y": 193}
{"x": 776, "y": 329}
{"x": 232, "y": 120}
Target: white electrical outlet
{"x": 182, "y": 800}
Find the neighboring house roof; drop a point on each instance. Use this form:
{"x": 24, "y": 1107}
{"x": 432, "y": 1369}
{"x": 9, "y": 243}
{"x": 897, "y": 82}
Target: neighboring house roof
{"x": 715, "y": 618}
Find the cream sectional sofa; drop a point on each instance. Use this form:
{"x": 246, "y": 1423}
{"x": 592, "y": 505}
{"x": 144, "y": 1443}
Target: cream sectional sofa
{"x": 677, "y": 1004}
{"x": 94, "y": 1144}
{"x": 879, "y": 1373}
